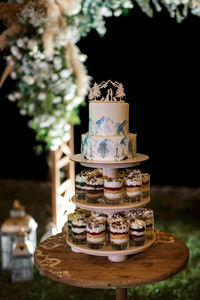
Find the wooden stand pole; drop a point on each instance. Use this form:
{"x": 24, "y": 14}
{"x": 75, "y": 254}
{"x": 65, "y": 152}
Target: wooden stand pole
{"x": 62, "y": 188}
{"x": 122, "y": 294}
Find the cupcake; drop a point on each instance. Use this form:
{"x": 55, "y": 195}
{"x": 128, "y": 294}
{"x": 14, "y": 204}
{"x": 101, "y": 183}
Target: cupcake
{"x": 94, "y": 186}
{"x": 79, "y": 230}
{"x": 119, "y": 235}
{"x": 137, "y": 230}
{"x": 96, "y": 233}
{"x": 133, "y": 186}
{"x": 113, "y": 190}
{"x": 145, "y": 185}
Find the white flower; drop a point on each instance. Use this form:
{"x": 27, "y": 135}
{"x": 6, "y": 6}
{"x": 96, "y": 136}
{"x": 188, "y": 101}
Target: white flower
{"x": 106, "y": 12}
{"x": 17, "y": 95}
{"x": 41, "y": 85}
{"x": 23, "y": 112}
{"x": 28, "y": 79}
{"x": 54, "y": 77}
{"x": 13, "y": 75}
{"x": 67, "y": 127}
{"x": 57, "y": 61}
{"x": 11, "y": 98}
{"x": 118, "y": 12}
{"x": 69, "y": 107}
{"x": 31, "y": 107}
{"x": 20, "y": 43}
{"x": 66, "y": 137}
{"x": 128, "y": 4}
{"x": 57, "y": 100}
{"x": 32, "y": 44}
{"x": 82, "y": 57}
{"x": 15, "y": 51}
{"x": 55, "y": 144}
{"x": 78, "y": 100}
{"x": 65, "y": 73}
{"x": 41, "y": 96}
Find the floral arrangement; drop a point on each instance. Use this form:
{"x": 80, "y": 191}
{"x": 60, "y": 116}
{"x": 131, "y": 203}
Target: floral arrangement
{"x": 47, "y": 66}
{"x": 43, "y": 59}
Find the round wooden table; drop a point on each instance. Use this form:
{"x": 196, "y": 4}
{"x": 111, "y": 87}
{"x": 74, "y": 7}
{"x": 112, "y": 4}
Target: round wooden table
{"x": 55, "y": 260}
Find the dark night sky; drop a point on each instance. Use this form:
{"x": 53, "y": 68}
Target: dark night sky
{"x": 158, "y": 62}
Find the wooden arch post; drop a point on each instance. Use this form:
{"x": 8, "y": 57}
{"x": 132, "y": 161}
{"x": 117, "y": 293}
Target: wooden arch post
{"x": 62, "y": 186}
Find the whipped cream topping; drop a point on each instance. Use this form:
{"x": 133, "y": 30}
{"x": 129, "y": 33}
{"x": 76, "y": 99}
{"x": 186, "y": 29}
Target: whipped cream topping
{"x": 137, "y": 224}
{"x": 79, "y": 221}
{"x": 94, "y": 180}
{"x": 113, "y": 182}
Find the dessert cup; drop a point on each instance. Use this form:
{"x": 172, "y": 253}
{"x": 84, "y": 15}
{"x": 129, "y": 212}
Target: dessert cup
{"x": 79, "y": 230}
{"x": 113, "y": 190}
{"x": 137, "y": 231}
{"x": 145, "y": 185}
{"x": 119, "y": 235}
{"x": 133, "y": 186}
{"x": 96, "y": 234}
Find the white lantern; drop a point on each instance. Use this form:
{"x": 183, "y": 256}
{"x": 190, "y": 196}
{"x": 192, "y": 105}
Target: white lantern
{"x": 22, "y": 259}
{"x": 18, "y": 221}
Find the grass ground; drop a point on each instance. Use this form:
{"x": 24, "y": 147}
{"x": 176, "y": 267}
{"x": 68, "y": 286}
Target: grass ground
{"x": 177, "y": 210}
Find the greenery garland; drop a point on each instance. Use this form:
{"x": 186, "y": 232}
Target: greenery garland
{"x": 47, "y": 66}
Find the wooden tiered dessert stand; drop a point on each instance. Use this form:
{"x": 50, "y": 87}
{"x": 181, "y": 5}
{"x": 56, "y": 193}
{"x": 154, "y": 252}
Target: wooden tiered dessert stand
{"x": 157, "y": 260}
{"x": 110, "y": 170}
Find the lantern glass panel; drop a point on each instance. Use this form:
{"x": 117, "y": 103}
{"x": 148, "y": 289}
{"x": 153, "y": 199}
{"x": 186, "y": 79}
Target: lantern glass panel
{"x": 6, "y": 248}
{"x": 22, "y": 269}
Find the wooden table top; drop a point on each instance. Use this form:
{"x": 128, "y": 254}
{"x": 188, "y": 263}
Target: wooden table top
{"x": 55, "y": 260}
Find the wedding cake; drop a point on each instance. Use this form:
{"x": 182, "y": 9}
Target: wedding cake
{"x": 108, "y": 138}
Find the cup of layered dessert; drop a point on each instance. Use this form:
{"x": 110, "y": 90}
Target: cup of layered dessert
{"x": 148, "y": 217}
{"x": 99, "y": 216}
{"x": 133, "y": 186}
{"x": 94, "y": 187}
{"x": 70, "y": 218}
{"x": 137, "y": 231}
{"x": 113, "y": 190}
{"x": 145, "y": 185}
{"x": 79, "y": 230}
{"x": 80, "y": 184}
{"x": 119, "y": 235}
{"x": 95, "y": 233}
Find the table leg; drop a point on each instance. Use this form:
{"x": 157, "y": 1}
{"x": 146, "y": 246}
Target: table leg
{"x": 121, "y": 294}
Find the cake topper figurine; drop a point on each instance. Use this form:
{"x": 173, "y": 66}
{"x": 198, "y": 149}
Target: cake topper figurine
{"x": 95, "y": 92}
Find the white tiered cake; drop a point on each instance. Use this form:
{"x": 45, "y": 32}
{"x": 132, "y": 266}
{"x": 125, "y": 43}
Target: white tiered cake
{"x": 108, "y": 138}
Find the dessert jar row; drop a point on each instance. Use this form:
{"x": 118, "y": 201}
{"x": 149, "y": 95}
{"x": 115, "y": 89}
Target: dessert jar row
{"x": 127, "y": 186}
{"x": 120, "y": 231}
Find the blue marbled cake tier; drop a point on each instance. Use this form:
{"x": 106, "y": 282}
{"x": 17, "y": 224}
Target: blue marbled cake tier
{"x": 110, "y": 148}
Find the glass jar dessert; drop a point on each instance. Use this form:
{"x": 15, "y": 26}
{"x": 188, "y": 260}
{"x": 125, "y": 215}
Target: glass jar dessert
{"x": 137, "y": 231}
{"x": 145, "y": 185}
{"x": 133, "y": 186}
{"x": 148, "y": 217}
{"x": 70, "y": 217}
{"x": 80, "y": 184}
{"x": 96, "y": 233}
{"x": 94, "y": 188}
{"x": 113, "y": 190}
{"x": 119, "y": 235}
{"x": 79, "y": 230}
